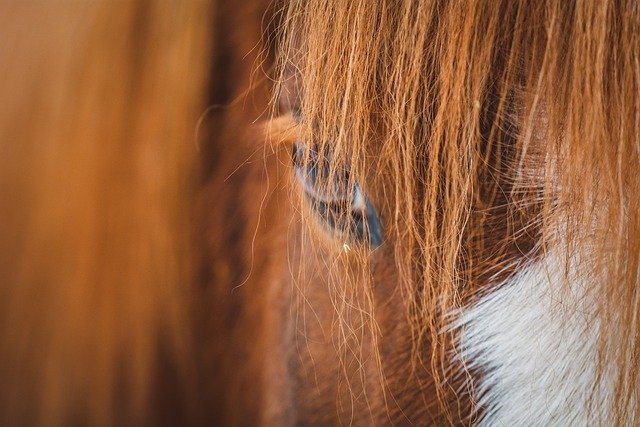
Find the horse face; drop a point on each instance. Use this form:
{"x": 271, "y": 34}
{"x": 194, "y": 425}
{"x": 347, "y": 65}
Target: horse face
{"x": 312, "y": 299}
{"x": 415, "y": 317}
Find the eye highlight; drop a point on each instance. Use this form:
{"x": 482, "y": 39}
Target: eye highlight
{"x": 340, "y": 205}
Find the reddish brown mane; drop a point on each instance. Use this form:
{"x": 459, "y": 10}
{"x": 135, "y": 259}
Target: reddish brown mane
{"x": 161, "y": 262}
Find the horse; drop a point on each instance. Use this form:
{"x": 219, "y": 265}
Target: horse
{"x": 320, "y": 213}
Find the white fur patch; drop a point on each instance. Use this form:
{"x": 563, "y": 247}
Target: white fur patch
{"x": 534, "y": 342}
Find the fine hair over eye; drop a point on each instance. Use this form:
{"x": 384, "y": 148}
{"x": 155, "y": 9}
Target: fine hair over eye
{"x": 319, "y": 212}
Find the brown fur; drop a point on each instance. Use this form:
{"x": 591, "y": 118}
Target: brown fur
{"x": 98, "y": 172}
{"x": 479, "y": 128}
{"x": 160, "y": 266}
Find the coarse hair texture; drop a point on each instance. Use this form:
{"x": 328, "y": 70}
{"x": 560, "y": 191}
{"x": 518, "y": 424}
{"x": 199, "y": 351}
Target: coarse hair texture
{"x": 462, "y": 109}
{"x": 449, "y": 111}
{"x": 98, "y": 169}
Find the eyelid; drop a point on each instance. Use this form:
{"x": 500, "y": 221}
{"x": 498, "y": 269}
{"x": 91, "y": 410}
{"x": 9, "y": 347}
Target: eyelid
{"x": 308, "y": 174}
{"x": 343, "y": 206}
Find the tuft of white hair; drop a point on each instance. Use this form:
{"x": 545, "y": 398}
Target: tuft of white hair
{"x": 533, "y": 343}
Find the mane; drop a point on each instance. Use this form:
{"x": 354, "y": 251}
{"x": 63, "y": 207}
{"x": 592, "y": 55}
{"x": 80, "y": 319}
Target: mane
{"x": 99, "y": 173}
{"x": 497, "y": 132}
{"x": 491, "y": 134}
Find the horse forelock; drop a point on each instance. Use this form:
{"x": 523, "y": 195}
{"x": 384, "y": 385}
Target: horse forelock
{"x": 464, "y": 125}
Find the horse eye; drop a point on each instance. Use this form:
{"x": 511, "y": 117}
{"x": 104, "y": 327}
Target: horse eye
{"x": 342, "y": 207}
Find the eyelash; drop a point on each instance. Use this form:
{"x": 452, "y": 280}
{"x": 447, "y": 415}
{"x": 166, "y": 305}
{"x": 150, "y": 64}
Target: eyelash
{"x": 342, "y": 207}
